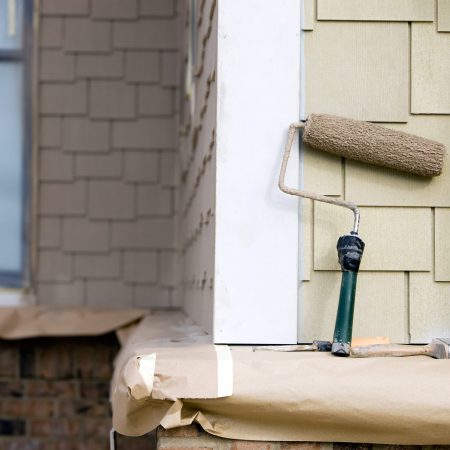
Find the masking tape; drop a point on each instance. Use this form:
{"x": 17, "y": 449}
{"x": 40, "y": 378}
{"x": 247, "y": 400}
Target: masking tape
{"x": 224, "y": 371}
{"x": 112, "y": 439}
{"x": 147, "y": 370}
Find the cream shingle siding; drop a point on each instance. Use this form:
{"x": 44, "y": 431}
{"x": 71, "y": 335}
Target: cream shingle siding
{"x": 358, "y": 69}
{"x": 443, "y": 15}
{"x": 379, "y": 10}
{"x": 308, "y": 14}
{"x": 306, "y": 245}
{"x": 429, "y": 307}
{"x": 387, "y": 233}
{"x": 315, "y": 164}
{"x": 430, "y": 70}
{"x": 442, "y": 244}
{"x": 358, "y": 65}
{"x": 380, "y": 310}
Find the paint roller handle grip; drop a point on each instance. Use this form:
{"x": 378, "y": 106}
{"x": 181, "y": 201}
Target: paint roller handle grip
{"x": 350, "y": 249}
{"x": 344, "y": 318}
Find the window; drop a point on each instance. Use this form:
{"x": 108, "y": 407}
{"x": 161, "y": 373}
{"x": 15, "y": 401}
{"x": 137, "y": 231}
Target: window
{"x": 15, "y": 139}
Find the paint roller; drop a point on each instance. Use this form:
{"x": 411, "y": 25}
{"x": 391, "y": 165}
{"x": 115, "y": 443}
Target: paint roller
{"x": 368, "y": 143}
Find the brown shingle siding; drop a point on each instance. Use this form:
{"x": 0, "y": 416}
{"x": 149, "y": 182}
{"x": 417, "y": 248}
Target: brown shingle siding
{"x": 66, "y": 199}
{"x": 111, "y": 200}
{"x": 50, "y": 131}
{"x": 145, "y": 233}
{"x": 108, "y": 165}
{"x": 54, "y": 266}
{"x": 103, "y": 265}
{"x": 65, "y": 8}
{"x": 142, "y": 66}
{"x": 51, "y": 32}
{"x": 64, "y": 98}
{"x": 155, "y": 101}
{"x": 144, "y": 134}
{"x": 154, "y": 201}
{"x": 107, "y": 117}
{"x": 157, "y": 8}
{"x": 85, "y": 35}
{"x": 56, "y": 166}
{"x": 61, "y": 294}
{"x": 81, "y": 134}
{"x": 114, "y": 9}
{"x": 109, "y": 294}
{"x": 82, "y": 235}
{"x": 141, "y": 167}
{"x": 145, "y": 34}
{"x": 141, "y": 267}
{"x": 112, "y": 100}
{"x": 57, "y": 65}
{"x": 109, "y": 65}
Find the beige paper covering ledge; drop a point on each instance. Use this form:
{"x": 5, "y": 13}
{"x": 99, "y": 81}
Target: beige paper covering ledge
{"x": 279, "y": 396}
{"x": 39, "y": 321}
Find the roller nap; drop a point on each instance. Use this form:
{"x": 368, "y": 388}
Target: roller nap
{"x": 374, "y": 144}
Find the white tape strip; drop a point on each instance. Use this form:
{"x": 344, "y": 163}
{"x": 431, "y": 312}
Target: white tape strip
{"x": 147, "y": 370}
{"x": 224, "y": 371}
{"x": 12, "y": 17}
{"x": 112, "y": 439}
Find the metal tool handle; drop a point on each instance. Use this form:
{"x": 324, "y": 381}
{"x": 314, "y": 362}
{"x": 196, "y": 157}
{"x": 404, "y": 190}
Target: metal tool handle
{"x": 321, "y": 198}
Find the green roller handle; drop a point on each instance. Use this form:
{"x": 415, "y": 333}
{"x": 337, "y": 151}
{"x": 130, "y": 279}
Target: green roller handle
{"x": 350, "y": 248}
{"x": 344, "y": 319}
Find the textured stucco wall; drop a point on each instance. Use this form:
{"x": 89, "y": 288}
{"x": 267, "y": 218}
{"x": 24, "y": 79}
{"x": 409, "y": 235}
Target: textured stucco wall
{"x": 107, "y": 152}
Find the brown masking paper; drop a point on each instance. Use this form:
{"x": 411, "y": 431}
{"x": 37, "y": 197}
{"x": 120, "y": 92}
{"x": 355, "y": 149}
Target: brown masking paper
{"x": 276, "y": 396}
{"x": 38, "y": 321}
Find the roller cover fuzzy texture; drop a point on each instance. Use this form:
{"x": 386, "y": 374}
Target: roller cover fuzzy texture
{"x": 374, "y": 144}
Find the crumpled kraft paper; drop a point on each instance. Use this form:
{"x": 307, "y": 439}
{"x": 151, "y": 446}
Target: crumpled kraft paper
{"x": 278, "y": 396}
{"x": 38, "y": 321}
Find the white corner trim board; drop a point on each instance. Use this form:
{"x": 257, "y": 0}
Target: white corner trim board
{"x": 256, "y": 264}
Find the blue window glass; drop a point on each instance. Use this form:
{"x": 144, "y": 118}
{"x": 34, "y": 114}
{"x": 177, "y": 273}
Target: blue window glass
{"x": 15, "y": 142}
{"x": 11, "y": 167}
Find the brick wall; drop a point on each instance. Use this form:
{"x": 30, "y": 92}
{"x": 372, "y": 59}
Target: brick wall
{"x": 107, "y": 153}
{"x": 55, "y": 392}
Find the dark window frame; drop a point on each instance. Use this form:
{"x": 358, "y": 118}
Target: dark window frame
{"x": 21, "y": 278}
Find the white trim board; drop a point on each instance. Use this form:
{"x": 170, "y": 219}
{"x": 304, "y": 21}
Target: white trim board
{"x": 256, "y": 262}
